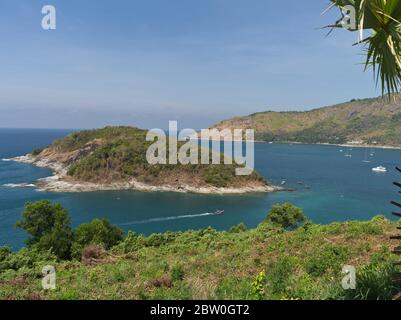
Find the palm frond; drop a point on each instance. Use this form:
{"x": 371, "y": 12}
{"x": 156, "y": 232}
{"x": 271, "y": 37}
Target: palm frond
{"x": 383, "y": 47}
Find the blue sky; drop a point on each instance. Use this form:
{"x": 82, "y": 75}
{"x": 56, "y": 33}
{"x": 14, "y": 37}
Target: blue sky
{"x": 146, "y": 62}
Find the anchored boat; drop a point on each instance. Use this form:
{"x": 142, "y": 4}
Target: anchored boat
{"x": 380, "y": 169}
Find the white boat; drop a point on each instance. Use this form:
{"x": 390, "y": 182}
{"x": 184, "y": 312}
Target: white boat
{"x": 380, "y": 169}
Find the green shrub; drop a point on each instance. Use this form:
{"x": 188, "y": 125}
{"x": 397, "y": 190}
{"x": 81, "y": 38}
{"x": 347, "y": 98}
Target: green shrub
{"x": 4, "y": 253}
{"x": 177, "y": 273}
{"x": 356, "y": 229}
{"x": 130, "y": 243}
{"x": 48, "y": 226}
{"x": 159, "y": 239}
{"x": 286, "y": 216}
{"x": 238, "y": 228}
{"x": 330, "y": 257}
{"x": 98, "y": 232}
{"x": 29, "y": 260}
{"x": 279, "y": 276}
{"x": 217, "y": 179}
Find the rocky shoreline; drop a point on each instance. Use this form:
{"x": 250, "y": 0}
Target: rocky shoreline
{"x": 58, "y": 182}
{"x": 358, "y": 145}
{"x": 344, "y": 145}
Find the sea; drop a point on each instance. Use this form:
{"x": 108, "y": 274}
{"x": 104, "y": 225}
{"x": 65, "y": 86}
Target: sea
{"x": 330, "y": 183}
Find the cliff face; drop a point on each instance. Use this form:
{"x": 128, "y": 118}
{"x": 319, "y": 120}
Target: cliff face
{"x": 66, "y": 158}
{"x": 115, "y": 158}
{"x": 369, "y": 121}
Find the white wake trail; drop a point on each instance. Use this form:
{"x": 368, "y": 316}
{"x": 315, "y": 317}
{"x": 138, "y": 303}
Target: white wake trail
{"x": 19, "y": 185}
{"x": 189, "y": 216}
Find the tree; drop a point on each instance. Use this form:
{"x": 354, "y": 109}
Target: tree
{"x": 286, "y": 216}
{"x": 48, "y": 226}
{"x": 4, "y": 253}
{"x": 383, "y": 45}
{"x": 99, "y": 232}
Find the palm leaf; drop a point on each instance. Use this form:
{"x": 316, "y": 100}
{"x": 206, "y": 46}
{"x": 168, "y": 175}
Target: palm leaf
{"x": 383, "y": 47}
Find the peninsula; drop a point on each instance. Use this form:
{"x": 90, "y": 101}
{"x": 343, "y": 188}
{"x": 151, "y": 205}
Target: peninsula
{"x": 372, "y": 122}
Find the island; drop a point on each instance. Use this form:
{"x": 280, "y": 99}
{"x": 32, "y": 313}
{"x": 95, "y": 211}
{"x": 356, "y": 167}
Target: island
{"x": 114, "y": 158}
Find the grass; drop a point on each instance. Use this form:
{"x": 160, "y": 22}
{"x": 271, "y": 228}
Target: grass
{"x": 267, "y": 262}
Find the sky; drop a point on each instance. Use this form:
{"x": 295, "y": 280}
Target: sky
{"x": 145, "y": 62}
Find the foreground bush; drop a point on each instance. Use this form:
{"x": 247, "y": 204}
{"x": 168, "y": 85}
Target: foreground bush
{"x": 98, "y": 232}
{"x": 286, "y": 216}
{"x": 48, "y": 226}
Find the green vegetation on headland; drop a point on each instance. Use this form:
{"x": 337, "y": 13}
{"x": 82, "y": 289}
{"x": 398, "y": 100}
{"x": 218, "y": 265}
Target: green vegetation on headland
{"x": 370, "y": 121}
{"x": 118, "y": 154}
{"x": 285, "y": 257}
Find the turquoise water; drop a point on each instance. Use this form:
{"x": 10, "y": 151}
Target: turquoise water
{"x": 329, "y": 187}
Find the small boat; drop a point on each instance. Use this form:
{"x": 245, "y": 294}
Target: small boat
{"x": 372, "y": 152}
{"x": 218, "y": 212}
{"x": 380, "y": 169}
{"x": 283, "y": 182}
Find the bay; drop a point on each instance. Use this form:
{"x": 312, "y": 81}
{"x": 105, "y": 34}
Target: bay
{"x": 328, "y": 186}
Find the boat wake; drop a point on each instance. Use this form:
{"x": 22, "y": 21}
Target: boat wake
{"x": 19, "y": 185}
{"x": 189, "y": 216}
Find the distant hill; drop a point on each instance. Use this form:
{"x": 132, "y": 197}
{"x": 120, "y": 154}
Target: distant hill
{"x": 368, "y": 121}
